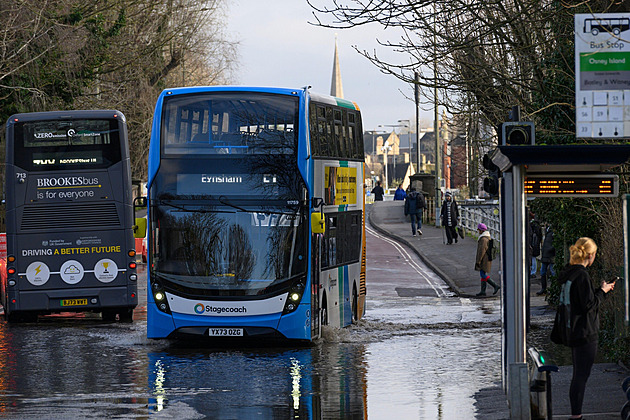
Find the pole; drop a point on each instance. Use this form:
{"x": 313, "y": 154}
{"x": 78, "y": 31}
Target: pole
{"x": 386, "y": 184}
{"x": 514, "y": 278}
{"x": 436, "y": 131}
{"x": 416, "y": 91}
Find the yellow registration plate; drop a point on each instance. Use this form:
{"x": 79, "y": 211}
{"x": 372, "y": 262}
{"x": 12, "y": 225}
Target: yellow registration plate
{"x": 73, "y": 302}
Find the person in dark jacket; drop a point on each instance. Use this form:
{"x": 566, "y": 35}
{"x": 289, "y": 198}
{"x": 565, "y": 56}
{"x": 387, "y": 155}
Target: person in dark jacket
{"x": 584, "y": 306}
{"x": 450, "y": 217}
{"x": 536, "y": 240}
{"x": 483, "y": 264}
{"x": 414, "y": 205}
{"x": 400, "y": 194}
{"x": 547, "y": 255}
{"x": 378, "y": 192}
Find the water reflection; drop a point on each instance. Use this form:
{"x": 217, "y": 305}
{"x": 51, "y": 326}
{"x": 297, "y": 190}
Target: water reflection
{"x": 319, "y": 382}
{"x": 66, "y": 364}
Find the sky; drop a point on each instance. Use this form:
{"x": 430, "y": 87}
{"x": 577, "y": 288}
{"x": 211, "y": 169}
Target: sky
{"x": 278, "y": 47}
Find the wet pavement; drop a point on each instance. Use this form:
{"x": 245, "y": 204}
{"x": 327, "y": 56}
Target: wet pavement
{"x": 454, "y": 263}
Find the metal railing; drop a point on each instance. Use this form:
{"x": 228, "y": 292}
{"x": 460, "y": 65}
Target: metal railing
{"x": 470, "y": 215}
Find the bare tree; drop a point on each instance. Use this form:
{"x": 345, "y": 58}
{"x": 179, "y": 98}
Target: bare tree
{"x": 63, "y": 54}
{"x": 496, "y": 53}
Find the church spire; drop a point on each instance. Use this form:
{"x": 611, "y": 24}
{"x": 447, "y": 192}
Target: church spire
{"x": 336, "y": 89}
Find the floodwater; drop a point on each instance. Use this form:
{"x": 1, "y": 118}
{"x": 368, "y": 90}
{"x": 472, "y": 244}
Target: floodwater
{"x": 420, "y": 357}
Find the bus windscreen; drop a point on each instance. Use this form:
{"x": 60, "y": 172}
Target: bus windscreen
{"x": 67, "y": 144}
{"x": 229, "y": 123}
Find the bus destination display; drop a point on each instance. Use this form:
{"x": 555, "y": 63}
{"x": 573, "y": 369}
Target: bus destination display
{"x": 596, "y": 185}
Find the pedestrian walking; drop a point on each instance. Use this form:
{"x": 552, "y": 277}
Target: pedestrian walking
{"x": 414, "y": 205}
{"x": 582, "y": 300}
{"x": 547, "y": 256}
{"x": 536, "y": 240}
{"x": 450, "y": 218}
{"x": 483, "y": 262}
{"x": 399, "y": 194}
{"x": 378, "y": 191}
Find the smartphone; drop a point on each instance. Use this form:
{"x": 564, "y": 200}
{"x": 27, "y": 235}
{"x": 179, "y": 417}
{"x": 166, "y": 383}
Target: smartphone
{"x": 614, "y": 279}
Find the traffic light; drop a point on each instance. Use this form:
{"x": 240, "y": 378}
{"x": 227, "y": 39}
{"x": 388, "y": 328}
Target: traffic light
{"x": 517, "y": 133}
{"x": 491, "y": 182}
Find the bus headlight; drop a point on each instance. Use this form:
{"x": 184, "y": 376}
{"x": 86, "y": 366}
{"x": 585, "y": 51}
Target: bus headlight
{"x": 294, "y": 296}
{"x": 159, "y": 296}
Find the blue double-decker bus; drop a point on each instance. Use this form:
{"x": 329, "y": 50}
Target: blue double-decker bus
{"x": 256, "y": 214}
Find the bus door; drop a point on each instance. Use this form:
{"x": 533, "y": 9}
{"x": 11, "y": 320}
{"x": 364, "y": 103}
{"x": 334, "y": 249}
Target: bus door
{"x": 316, "y": 244}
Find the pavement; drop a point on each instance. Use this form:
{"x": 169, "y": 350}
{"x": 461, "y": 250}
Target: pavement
{"x": 454, "y": 263}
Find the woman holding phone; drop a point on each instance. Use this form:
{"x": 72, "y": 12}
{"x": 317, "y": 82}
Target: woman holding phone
{"x": 585, "y": 300}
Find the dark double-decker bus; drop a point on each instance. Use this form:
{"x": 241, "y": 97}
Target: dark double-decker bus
{"x": 69, "y": 217}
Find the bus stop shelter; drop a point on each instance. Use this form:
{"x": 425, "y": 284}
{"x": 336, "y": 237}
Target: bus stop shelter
{"x": 583, "y": 167}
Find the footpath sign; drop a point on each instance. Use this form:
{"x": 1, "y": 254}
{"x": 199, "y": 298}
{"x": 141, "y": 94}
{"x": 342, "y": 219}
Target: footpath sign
{"x": 602, "y": 75}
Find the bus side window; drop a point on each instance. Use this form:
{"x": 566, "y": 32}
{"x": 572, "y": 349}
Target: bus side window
{"x": 358, "y": 133}
{"x": 313, "y": 130}
{"x": 338, "y": 136}
{"x": 333, "y": 150}
{"x": 329, "y": 246}
{"x": 355, "y": 236}
{"x": 321, "y": 132}
{"x": 350, "y": 147}
{"x": 353, "y": 137}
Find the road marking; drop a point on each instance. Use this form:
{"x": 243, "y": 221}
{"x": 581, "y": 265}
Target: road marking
{"x": 437, "y": 288}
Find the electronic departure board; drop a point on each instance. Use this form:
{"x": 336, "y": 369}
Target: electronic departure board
{"x": 565, "y": 185}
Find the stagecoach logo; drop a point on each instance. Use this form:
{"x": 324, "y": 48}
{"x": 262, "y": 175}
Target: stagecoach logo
{"x": 219, "y": 310}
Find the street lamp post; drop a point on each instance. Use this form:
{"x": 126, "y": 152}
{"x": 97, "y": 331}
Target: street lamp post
{"x": 408, "y": 126}
{"x": 374, "y": 141}
{"x": 386, "y": 148}
{"x": 374, "y": 132}
{"x": 394, "y": 131}
{"x": 416, "y": 94}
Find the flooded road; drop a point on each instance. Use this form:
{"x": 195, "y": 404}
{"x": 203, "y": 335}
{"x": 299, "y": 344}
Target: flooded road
{"x": 419, "y": 352}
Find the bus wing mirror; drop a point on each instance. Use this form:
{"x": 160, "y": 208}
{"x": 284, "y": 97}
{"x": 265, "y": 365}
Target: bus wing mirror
{"x": 317, "y": 202}
{"x": 139, "y": 202}
{"x": 318, "y": 223}
{"x": 140, "y": 228}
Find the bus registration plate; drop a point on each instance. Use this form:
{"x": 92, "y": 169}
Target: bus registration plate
{"x": 225, "y": 332}
{"x": 73, "y": 302}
